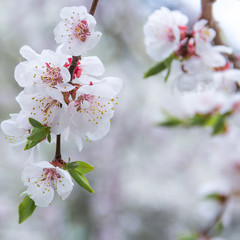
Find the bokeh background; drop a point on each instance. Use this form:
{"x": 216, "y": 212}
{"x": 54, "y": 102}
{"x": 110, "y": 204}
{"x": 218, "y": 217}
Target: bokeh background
{"x": 147, "y": 179}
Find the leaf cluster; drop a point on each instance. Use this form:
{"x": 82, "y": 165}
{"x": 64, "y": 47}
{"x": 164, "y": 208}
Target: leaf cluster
{"x": 38, "y": 133}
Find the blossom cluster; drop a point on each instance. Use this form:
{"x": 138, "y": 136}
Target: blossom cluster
{"x": 60, "y": 98}
{"x": 206, "y": 87}
{"x": 188, "y": 54}
{"x": 195, "y": 66}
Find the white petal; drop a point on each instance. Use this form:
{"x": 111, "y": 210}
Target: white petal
{"x": 65, "y": 87}
{"x": 101, "y": 131}
{"x": 67, "y": 12}
{"x": 61, "y": 33}
{"x": 10, "y": 128}
{"x": 31, "y": 174}
{"x": 18, "y": 153}
{"x": 92, "y": 66}
{"x": 64, "y": 184}
{"x": 42, "y": 195}
{"x": 28, "y": 53}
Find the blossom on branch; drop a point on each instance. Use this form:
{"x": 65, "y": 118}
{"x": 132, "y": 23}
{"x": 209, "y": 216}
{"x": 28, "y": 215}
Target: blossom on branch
{"x": 42, "y": 178}
{"x": 92, "y": 108}
{"x": 76, "y": 31}
{"x": 162, "y": 32}
{"x": 46, "y": 69}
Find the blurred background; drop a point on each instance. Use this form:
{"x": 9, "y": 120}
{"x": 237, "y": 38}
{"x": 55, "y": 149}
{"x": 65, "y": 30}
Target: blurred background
{"x": 147, "y": 179}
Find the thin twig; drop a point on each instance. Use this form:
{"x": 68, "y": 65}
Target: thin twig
{"x": 207, "y": 6}
{"x": 93, "y": 7}
{"x": 73, "y": 66}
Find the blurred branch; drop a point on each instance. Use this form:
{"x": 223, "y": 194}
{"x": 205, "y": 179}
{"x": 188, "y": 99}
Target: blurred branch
{"x": 207, "y": 7}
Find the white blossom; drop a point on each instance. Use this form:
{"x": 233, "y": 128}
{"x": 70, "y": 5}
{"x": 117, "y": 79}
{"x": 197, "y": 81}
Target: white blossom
{"x": 41, "y": 178}
{"x": 43, "y": 108}
{"x": 211, "y": 55}
{"x": 92, "y": 109}
{"x": 45, "y": 69}
{"x": 17, "y": 135}
{"x": 162, "y": 33}
{"x": 76, "y": 31}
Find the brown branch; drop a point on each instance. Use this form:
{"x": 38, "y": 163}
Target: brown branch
{"x": 58, "y": 148}
{"x": 207, "y": 6}
{"x": 93, "y": 7}
{"x": 73, "y": 66}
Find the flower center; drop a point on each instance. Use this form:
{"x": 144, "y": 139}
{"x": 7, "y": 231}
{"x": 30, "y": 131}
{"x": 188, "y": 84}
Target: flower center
{"x": 170, "y": 35}
{"x": 81, "y": 31}
{"x": 50, "y": 174}
{"x": 52, "y": 75}
{"x": 83, "y": 102}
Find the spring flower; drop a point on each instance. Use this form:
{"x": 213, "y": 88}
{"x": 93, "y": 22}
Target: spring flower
{"x": 92, "y": 109}
{"x": 162, "y": 33}
{"x": 87, "y": 68}
{"x": 76, "y": 31}
{"x": 43, "y": 108}
{"x": 41, "y": 178}
{"x": 17, "y": 135}
{"x": 211, "y": 55}
{"x": 45, "y": 69}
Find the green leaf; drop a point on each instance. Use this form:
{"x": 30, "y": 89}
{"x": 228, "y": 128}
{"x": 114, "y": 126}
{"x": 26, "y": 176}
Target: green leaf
{"x": 217, "y": 197}
{"x": 81, "y": 167}
{"x": 220, "y": 125}
{"x": 26, "y": 209}
{"x": 49, "y": 138}
{"x": 166, "y": 63}
{"x": 36, "y": 136}
{"x": 168, "y": 72}
{"x": 189, "y": 236}
{"x": 172, "y": 122}
{"x": 218, "y": 228}
{"x": 81, "y": 180}
{"x": 199, "y": 120}
{"x": 30, "y": 144}
{"x": 35, "y": 123}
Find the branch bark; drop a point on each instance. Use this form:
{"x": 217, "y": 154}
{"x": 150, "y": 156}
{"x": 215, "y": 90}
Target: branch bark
{"x": 207, "y": 6}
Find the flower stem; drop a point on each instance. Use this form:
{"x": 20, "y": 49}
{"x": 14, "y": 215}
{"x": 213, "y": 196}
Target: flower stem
{"x": 58, "y": 148}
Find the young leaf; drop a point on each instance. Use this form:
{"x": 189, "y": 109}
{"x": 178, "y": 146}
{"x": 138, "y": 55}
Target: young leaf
{"x": 30, "y": 144}
{"x": 217, "y": 197}
{"x": 81, "y": 180}
{"x": 168, "y": 72}
{"x": 218, "y": 228}
{"x": 220, "y": 125}
{"x": 26, "y": 209}
{"x": 81, "y": 167}
{"x": 166, "y": 63}
{"x": 49, "y": 138}
{"x": 199, "y": 120}
{"x": 35, "y": 123}
{"x": 189, "y": 236}
{"x": 37, "y": 134}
